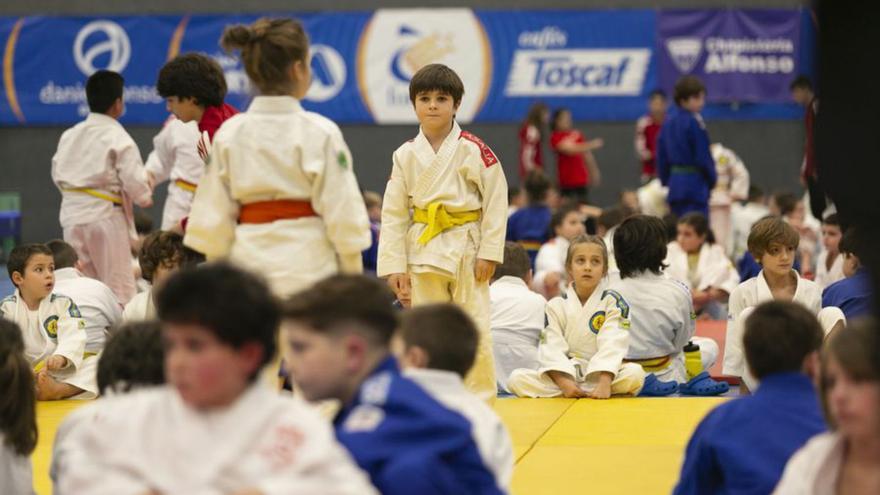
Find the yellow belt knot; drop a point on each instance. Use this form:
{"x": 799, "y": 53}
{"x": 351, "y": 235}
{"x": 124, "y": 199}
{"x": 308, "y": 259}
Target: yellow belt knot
{"x": 439, "y": 220}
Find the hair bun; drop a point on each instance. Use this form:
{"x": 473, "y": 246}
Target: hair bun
{"x": 237, "y": 37}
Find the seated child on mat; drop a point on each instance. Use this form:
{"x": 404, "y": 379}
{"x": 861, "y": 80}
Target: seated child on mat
{"x": 336, "y": 338}
{"x": 661, "y": 314}
{"x": 18, "y": 421}
{"x": 781, "y": 341}
{"x": 52, "y": 327}
{"x": 437, "y": 346}
{"x": 517, "y": 315}
{"x": 214, "y": 428}
{"x": 550, "y": 271}
{"x": 773, "y": 243}
{"x": 587, "y": 335}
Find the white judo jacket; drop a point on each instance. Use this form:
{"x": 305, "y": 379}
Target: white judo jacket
{"x": 175, "y": 158}
{"x": 714, "y": 268}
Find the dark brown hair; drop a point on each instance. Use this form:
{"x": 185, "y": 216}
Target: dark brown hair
{"x": 688, "y": 87}
{"x": 62, "y": 253}
{"x": 640, "y": 245}
{"x": 18, "y": 402}
{"x": 436, "y": 77}
{"x": 445, "y": 333}
{"x": 193, "y": 75}
{"x": 536, "y": 185}
{"x": 133, "y": 357}
{"x": 535, "y": 117}
{"x": 345, "y": 299}
{"x": 516, "y": 262}
{"x": 779, "y": 336}
{"x": 769, "y": 230}
{"x": 165, "y": 249}
{"x": 854, "y": 348}
{"x": 699, "y": 223}
{"x": 21, "y": 255}
{"x": 268, "y": 48}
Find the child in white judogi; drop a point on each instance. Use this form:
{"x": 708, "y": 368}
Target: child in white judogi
{"x": 99, "y": 171}
{"x": 586, "y": 338}
{"x": 773, "y": 243}
{"x": 517, "y": 315}
{"x": 743, "y": 217}
{"x": 162, "y": 254}
{"x": 96, "y": 302}
{"x": 551, "y": 276}
{"x": 829, "y": 264}
{"x": 175, "y": 158}
{"x": 697, "y": 260}
{"x": 437, "y": 345}
{"x": 52, "y": 327}
{"x": 214, "y": 428}
{"x": 280, "y": 189}
{"x": 662, "y": 319}
{"x": 732, "y": 186}
{"x": 444, "y": 215}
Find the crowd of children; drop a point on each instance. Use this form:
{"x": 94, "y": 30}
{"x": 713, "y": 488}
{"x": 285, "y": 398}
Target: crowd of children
{"x": 265, "y": 234}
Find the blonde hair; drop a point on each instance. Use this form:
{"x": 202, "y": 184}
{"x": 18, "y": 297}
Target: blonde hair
{"x": 587, "y": 239}
{"x": 268, "y": 48}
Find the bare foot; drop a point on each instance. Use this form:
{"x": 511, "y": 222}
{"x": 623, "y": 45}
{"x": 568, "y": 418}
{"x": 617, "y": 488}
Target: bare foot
{"x": 49, "y": 388}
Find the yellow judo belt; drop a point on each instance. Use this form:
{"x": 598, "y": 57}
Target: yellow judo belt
{"x": 652, "y": 365}
{"x": 186, "y": 185}
{"x": 439, "y": 220}
{"x": 106, "y": 196}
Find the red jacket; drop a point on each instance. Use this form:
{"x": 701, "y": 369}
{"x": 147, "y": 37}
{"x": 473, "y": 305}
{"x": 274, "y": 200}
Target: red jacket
{"x": 572, "y": 169}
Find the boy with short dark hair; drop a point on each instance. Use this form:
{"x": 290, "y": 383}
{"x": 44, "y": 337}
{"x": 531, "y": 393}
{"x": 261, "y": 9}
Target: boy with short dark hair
{"x": 194, "y": 88}
{"x": 684, "y": 162}
{"x": 517, "y": 315}
{"x": 661, "y": 314}
{"x": 530, "y": 226}
{"x": 336, "y": 337}
{"x": 781, "y": 342}
{"x": 854, "y": 294}
{"x": 51, "y": 324}
{"x": 445, "y": 213}
{"x": 829, "y": 264}
{"x": 439, "y": 343}
{"x": 98, "y": 169}
{"x": 214, "y": 427}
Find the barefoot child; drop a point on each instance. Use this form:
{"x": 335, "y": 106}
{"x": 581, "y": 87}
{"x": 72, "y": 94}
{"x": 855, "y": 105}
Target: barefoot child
{"x": 587, "y": 336}
{"x": 52, "y": 327}
{"x": 445, "y": 213}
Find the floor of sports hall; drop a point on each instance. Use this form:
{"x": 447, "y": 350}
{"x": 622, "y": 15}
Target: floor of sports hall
{"x": 558, "y": 443}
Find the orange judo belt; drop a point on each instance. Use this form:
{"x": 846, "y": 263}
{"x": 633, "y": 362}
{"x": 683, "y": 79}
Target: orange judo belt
{"x": 279, "y": 209}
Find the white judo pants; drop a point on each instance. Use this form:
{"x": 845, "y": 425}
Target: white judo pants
{"x": 531, "y": 383}
{"x": 719, "y": 222}
{"x": 513, "y": 350}
{"x": 177, "y": 206}
{"x": 104, "y": 248}
{"x": 473, "y": 298}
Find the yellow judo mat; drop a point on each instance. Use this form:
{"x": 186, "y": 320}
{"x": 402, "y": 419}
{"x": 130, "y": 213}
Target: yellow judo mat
{"x": 617, "y": 446}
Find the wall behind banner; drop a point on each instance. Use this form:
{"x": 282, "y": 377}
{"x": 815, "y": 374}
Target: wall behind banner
{"x": 771, "y": 149}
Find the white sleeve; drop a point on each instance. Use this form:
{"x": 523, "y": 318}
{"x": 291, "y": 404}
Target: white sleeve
{"x": 546, "y": 262}
{"x": 161, "y": 159}
{"x": 71, "y": 331}
{"x": 132, "y": 173}
{"x": 336, "y": 197}
{"x": 734, "y": 363}
{"x": 553, "y": 348}
{"x": 395, "y": 223}
{"x": 688, "y": 321}
{"x": 613, "y": 336}
{"x": 493, "y": 224}
{"x": 739, "y": 180}
{"x": 213, "y": 217}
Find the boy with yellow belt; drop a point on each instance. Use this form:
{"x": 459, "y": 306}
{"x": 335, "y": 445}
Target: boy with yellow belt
{"x": 444, "y": 214}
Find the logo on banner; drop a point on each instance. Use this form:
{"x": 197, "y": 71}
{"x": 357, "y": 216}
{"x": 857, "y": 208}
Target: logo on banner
{"x": 685, "y": 52}
{"x": 397, "y": 43}
{"x": 578, "y": 72}
{"x": 113, "y": 45}
{"x": 328, "y": 73}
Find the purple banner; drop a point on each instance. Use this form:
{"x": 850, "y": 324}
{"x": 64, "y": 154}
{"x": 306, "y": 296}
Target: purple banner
{"x": 741, "y": 55}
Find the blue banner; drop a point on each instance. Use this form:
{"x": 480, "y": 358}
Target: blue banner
{"x": 601, "y": 64}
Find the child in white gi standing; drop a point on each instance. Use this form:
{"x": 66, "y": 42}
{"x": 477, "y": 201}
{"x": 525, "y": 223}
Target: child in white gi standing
{"x": 445, "y": 213}
{"x": 587, "y": 336}
{"x": 99, "y": 171}
{"x": 279, "y": 190}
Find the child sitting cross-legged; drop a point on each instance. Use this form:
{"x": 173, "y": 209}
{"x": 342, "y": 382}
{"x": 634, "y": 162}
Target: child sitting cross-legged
{"x": 586, "y": 339}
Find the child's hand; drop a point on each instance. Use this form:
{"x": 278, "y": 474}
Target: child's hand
{"x": 595, "y": 144}
{"x": 603, "y": 387}
{"x": 56, "y": 362}
{"x": 400, "y": 284}
{"x": 483, "y": 270}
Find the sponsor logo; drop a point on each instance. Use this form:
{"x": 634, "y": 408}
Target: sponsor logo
{"x": 397, "y": 43}
{"x": 578, "y": 72}
{"x": 549, "y": 37}
{"x": 328, "y": 73}
{"x": 113, "y": 41}
{"x": 685, "y": 52}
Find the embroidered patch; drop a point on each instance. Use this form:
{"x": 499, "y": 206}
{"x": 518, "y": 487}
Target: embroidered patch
{"x": 51, "y": 326}
{"x": 364, "y": 418}
{"x": 486, "y": 153}
{"x": 624, "y": 324}
{"x": 693, "y": 315}
{"x": 375, "y": 389}
{"x": 619, "y": 301}
{"x": 73, "y": 310}
{"x": 342, "y": 160}
{"x": 596, "y": 322}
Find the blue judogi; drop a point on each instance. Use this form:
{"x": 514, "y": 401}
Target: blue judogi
{"x": 530, "y": 226}
{"x": 742, "y": 446}
{"x": 684, "y": 162}
{"x": 371, "y": 254}
{"x": 408, "y": 442}
{"x": 853, "y": 295}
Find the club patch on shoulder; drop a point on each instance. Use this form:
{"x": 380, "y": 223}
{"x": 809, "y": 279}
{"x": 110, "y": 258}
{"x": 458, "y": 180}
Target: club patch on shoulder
{"x": 51, "y": 326}
{"x": 365, "y": 417}
{"x": 619, "y": 301}
{"x": 486, "y": 153}
{"x": 596, "y": 321}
